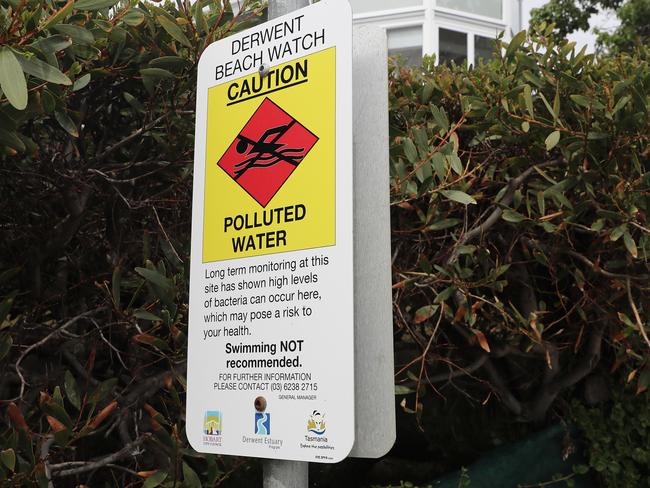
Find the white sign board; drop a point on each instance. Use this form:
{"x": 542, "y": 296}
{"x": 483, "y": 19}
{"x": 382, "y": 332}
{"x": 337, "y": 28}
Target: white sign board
{"x": 271, "y": 324}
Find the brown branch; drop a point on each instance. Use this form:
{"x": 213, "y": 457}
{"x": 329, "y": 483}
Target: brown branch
{"x": 36, "y": 345}
{"x": 513, "y": 185}
{"x": 637, "y": 317}
{"x": 130, "y": 137}
{"x": 595, "y": 268}
{"x": 59, "y": 470}
{"x": 537, "y": 408}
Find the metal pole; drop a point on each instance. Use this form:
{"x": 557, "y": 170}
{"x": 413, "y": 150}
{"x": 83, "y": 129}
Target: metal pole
{"x": 277, "y": 473}
{"x": 278, "y": 8}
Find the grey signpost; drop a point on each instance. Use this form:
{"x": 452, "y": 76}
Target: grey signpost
{"x": 373, "y": 311}
{"x": 279, "y": 473}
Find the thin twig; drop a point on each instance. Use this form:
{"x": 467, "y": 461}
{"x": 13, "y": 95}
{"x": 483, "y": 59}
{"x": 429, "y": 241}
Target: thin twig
{"x": 132, "y": 136}
{"x": 45, "y": 454}
{"x": 493, "y": 218}
{"x": 637, "y": 317}
{"x": 60, "y": 470}
{"x": 36, "y": 345}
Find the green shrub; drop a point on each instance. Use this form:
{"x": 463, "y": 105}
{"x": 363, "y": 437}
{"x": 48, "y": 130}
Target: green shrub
{"x": 520, "y": 198}
{"x": 617, "y": 440}
{"x": 520, "y": 238}
{"x": 96, "y": 136}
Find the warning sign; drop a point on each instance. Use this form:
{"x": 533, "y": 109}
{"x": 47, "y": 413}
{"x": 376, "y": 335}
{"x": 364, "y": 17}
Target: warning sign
{"x": 267, "y": 151}
{"x": 271, "y": 330}
{"x": 270, "y": 172}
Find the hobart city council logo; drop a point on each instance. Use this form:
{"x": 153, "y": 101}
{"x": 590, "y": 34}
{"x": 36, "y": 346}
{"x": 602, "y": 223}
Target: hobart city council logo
{"x": 212, "y": 427}
{"x": 267, "y": 151}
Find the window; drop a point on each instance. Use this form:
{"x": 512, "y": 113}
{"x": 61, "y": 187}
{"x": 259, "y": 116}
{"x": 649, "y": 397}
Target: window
{"x": 359, "y": 6}
{"x": 487, "y": 8}
{"x": 452, "y": 46}
{"x": 406, "y": 42}
{"x": 483, "y": 48}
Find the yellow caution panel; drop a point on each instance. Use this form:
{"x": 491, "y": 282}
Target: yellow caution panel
{"x": 270, "y": 173}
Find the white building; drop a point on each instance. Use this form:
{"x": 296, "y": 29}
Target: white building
{"x": 457, "y": 30}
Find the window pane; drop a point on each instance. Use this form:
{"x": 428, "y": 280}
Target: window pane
{"x": 483, "y": 48}
{"x": 488, "y": 8}
{"x": 406, "y": 42}
{"x": 453, "y": 46}
{"x": 359, "y": 6}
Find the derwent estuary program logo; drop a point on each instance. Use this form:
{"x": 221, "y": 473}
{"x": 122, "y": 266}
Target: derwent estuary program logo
{"x": 262, "y": 423}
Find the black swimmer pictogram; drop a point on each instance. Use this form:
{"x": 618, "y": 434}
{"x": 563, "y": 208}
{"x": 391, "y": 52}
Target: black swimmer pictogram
{"x": 264, "y": 153}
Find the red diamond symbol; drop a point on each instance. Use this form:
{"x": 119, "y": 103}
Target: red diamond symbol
{"x": 267, "y": 151}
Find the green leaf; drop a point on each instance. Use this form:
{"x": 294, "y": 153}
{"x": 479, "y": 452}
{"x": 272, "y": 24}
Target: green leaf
{"x": 630, "y": 244}
{"x": 445, "y": 294}
{"x": 53, "y": 44}
{"x": 43, "y": 71}
{"x": 190, "y": 478}
{"x": 135, "y": 17}
{"x": 81, "y": 83}
{"x": 403, "y": 390}
{"x": 444, "y": 224}
{"x": 157, "y": 73}
{"x": 581, "y": 101}
{"x": 116, "y": 282}
{"x": 71, "y": 390}
{"x": 459, "y": 196}
{"x": 94, "y": 4}
{"x": 144, "y": 315}
{"x": 622, "y": 102}
{"x": 410, "y": 151}
{"x": 5, "y": 345}
{"x": 11, "y": 139}
{"x": 66, "y": 123}
{"x": 154, "y": 277}
{"x": 512, "y": 216}
{"x": 201, "y": 23}
{"x": 425, "y": 313}
{"x": 528, "y": 99}
{"x": 8, "y": 457}
{"x": 427, "y": 92}
{"x": 77, "y": 33}
{"x": 170, "y": 63}
{"x": 134, "y": 102}
{"x": 12, "y": 79}
{"x": 552, "y": 140}
{"x": 174, "y": 30}
{"x": 440, "y": 117}
{"x": 455, "y": 163}
{"x": 103, "y": 389}
{"x": 515, "y": 42}
{"x": 616, "y": 234}
{"x": 155, "y": 479}
{"x": 626, "y": 320}
{"x": 598, "y": 225}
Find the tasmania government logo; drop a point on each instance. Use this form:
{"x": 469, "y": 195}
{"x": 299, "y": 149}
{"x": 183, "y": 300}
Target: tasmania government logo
{"x": 267, "y": 151}
{"x": 316, "y": 423}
